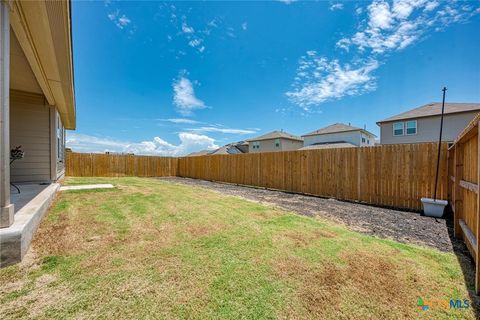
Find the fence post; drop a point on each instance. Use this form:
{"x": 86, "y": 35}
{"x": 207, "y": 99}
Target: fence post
{"x": 458, "y": 196}
{"x": 477, "y": 258}
{"x": 359, "y": 172}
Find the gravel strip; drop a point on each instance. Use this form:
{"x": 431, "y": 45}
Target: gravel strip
{"x": 402, "y": 226}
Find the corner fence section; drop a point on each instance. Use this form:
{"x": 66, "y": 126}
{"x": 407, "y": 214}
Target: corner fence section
{"x": 463, "y": 164}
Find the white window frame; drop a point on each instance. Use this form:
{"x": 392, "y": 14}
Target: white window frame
{"x": 403, "y": 129}
{"x": 277, "y": 143}
{"x": 406, "y": 128}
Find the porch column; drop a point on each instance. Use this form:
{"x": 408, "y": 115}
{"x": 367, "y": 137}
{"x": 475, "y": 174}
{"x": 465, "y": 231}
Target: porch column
{"x": 6, "y": 208}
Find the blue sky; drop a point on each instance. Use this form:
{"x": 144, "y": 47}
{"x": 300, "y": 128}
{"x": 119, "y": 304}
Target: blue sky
{"x": 169, "y": 78}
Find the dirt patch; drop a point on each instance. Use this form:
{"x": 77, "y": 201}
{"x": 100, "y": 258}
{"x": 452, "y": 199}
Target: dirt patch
{"x": 202, "y": 230}
{"x": 322, "y": 289}
{"x": 402, "y": 226}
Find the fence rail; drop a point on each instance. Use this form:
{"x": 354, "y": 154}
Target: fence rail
{"x": 389, "y": 175}
{"x": 108, "y": 165}
{"x": 464, "y": 178}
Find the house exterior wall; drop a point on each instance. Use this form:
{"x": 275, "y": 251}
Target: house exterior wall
{"x": 428, "y": 129}
{"x": 33, "y": 125}
{"x": 269, "y": 145}
{"x": 353, "y": 137}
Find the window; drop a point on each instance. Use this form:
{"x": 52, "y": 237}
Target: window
{"x": 256, "y": 145}
{"x": 363, "y": 140}
{"x": 368, "y": 141}
{"x": 277, "y": 143}
{"x": 411, "y": 127}
{"x": 398, "y": 129}
{"x": 60, "y": 140}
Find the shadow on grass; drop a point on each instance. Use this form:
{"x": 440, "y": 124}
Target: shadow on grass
{"x": 467, "y": 264}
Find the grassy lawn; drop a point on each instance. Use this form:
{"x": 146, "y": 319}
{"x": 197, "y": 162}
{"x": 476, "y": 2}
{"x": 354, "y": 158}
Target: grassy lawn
{"x": 152, "y": 249}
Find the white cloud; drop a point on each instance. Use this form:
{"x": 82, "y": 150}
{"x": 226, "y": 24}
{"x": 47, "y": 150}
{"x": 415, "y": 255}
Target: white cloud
{"x": 189, "y": 142}
{"x": 287, "y": 1}
{"x": 245, "y": 26}
{"x": 221, "y": 130}
{"x": 186, "y": 28}
{"x": 390, "y": 28}
{"x": 184, "y": 96}
{"x": 181, "y": 121}
{"x": 336, "y": 6}
{"x": 195, "y": 42}
{"x": 120, "y": 20}
{"x": 380, "y": 15}
{"x": 386, "y": 28}
{"x": 319, "y": 80}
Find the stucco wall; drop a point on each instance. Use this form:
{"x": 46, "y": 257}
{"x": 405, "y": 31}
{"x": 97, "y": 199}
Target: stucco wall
{"x": 428, "y": 129}
{"x": 269, "y": 145}
{"x": 353, "y": 137}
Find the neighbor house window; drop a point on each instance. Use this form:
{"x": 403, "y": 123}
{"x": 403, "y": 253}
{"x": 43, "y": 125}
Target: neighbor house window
{"x": 277, "y": 143}
{"x": 363, "y": 139}
{"x": 398, "y": 129}
{"x": 411, "y": 127}
{"x": 256, "y": 145}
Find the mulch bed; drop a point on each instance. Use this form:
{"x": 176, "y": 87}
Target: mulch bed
{"x": 402, "y": 226}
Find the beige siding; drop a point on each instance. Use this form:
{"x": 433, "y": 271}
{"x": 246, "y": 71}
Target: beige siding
{"x": 269, "y": 145}
{"x": 30, "y": 128}
{"x": 353, "y": 137}
{"x": 428, "y": 129}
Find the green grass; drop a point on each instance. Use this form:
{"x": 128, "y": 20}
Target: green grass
{"x": 153, "y": 249}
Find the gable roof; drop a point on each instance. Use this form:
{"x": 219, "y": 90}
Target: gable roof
{"x": 227, "y": 149}
{"x": 276, "y": 135}
{"x": 336, "y": 128}
{"x": 433, "y": 109}
{"x": 198, "y": 153}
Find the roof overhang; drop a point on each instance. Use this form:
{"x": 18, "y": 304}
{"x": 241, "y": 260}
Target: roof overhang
{"x": 426, "y": 116}
{"x": 43, "y": 30}
{"x": 336, "y": 132}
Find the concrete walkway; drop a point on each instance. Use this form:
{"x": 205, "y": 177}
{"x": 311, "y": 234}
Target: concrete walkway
{"x": 87, "y": 186}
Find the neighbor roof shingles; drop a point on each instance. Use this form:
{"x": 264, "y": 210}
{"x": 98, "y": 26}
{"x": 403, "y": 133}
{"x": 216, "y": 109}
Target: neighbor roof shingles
{"x": 335, "y": 128}
{"x": 276, "y": 135}
{"x": 433, "y": 109}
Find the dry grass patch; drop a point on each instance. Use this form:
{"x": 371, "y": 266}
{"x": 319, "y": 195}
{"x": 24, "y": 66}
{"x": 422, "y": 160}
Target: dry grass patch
{"x": 152, "y": 249}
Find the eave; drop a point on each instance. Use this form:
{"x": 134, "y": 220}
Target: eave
{"x": 43, "y": 29}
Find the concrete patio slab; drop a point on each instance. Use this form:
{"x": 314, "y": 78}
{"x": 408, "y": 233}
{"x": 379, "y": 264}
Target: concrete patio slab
{"x": 15, "y": 240}
{"x": 87, "y": 186}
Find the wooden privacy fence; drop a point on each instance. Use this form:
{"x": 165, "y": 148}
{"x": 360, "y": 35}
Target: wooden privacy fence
{"x": 108, "y": 165}
{"x": 388, "y": 175}
{"x": 463, "y": 169}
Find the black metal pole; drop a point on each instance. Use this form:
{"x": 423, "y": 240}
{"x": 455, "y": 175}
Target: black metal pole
{"x": 439, "y": 144}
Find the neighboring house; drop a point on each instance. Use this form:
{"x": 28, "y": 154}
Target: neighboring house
{"x": 423, "y": 124}
{"x": 329, "y": 145}
{"x": 232, "y": 148}
{"x": 37, "y": 104}
{"x": 275, "y": 141}
{"x": 199, "y": 153}
{"x": 338, "y": 135}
